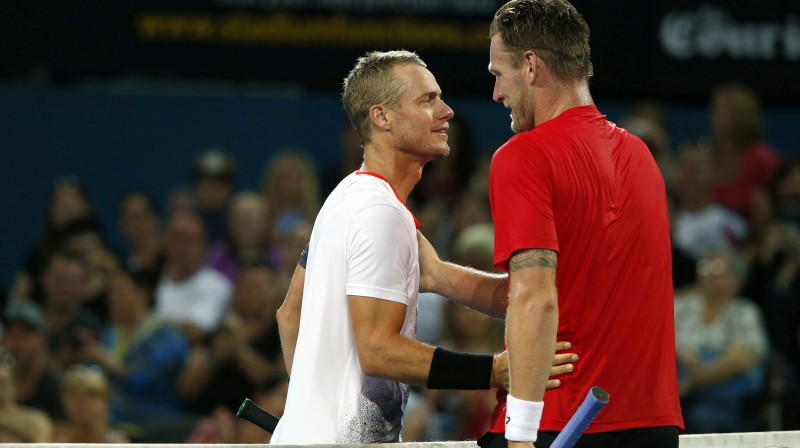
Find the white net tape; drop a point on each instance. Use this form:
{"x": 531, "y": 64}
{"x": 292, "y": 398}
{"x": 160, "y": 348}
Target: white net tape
{"x": 785, "y": 439}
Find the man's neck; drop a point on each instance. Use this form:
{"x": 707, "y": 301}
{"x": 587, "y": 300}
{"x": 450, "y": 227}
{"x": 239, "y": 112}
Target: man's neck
{"x": 552, "y": 100}
{"x": 400, "y": 169}
{"x": 180, "y": 275}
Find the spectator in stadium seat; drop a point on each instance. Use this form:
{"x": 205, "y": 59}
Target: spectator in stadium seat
{"x": 214, "y": 177}
{"x": 86, "y": 238}
{"x": 290, "y": 186}
{"x": 246, "y": 348}
{"x": 36, "y": 381}
{"x": 69, "y": 325}
{"x": 68, "y": 200}
{"x": 701, "y": 223}
{"x": 247, "y": 238}
{"x": 743, "y": 161}
{"x": 774, "y": 283}
{"x": 190, "y": 294}
{"x": 721, "y": 345}
{"x": 139, "y": 222}
{"x": 19, "y": 424}
{"x": 648, "y": 121}
{"x": 86, "y": 394}
{"x": 142, "y": 355}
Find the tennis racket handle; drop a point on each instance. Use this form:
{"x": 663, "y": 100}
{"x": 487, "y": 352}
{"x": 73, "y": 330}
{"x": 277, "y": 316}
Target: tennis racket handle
{"x": 594, "y": 401}
{"x": 256, "y": 415}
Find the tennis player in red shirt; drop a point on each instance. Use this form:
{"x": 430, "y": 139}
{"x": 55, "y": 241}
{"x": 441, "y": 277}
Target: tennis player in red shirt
{"x": 580, "y": 217}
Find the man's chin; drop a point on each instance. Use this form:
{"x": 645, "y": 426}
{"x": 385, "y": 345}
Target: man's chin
{"x": 442, "y": 152}
{"x": 518, "y": 127}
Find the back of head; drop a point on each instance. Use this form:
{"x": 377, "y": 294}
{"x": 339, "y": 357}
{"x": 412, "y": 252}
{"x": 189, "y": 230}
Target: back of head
{"x": 215, "y": 164}
{"x": 742, "y": 111}
{"x": 553, "y": 29}
{"x": 372, "y": 82}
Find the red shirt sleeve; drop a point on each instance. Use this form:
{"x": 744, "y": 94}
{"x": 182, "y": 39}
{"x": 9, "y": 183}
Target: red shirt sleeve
{"x": 521, "y": 192}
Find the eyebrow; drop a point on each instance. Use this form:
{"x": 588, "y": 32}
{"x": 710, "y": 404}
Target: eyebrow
{"x": 431, "y": 94}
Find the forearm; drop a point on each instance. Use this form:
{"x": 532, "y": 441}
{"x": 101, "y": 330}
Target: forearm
{"x": 196, "y": 373}
{"x": 736, "y": 360}
{"x": 254, "y": 365}
{"x": 482, "y": 291}
{"x": 531, "y": 327}
{"x": 289, "y": 327}
{"x": 29, "y": 428}
{"x": 396, "y": 358}
{"x": 475, "y": 289}
{"x": 289, "y": 317}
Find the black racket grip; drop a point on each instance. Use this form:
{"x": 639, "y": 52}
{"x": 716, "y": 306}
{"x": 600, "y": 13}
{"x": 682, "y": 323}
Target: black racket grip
{"x": 256, "y": 415}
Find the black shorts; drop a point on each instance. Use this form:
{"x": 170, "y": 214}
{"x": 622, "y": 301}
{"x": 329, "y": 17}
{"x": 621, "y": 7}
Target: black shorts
{"x": 655, "y": 437}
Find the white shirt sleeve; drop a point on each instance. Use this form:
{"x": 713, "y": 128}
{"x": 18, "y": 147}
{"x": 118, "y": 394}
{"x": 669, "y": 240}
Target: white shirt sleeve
{"x": 380, "y": 248}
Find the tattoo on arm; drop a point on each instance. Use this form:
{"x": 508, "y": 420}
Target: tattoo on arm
{"x": 530, "y": 258}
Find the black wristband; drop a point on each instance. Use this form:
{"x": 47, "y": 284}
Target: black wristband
{"x": 303, "y": 257}
{"x": 453, "y": 370}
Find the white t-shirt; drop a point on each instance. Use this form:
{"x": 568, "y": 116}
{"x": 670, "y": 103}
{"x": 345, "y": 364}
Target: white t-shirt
{"x": 364, "y": 243}
{"x": 201, "y": 299}
{"x": 713, "y": 227}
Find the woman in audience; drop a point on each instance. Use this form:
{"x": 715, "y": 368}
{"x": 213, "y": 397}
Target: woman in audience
{"x": 85, "y": 392}
{"x": 140, "y": 225}
{"x": 291, "y": 188}
{"x": 68, "y": 200}
{"x": 247, "y": 238}
{"x": 720, "y": 344}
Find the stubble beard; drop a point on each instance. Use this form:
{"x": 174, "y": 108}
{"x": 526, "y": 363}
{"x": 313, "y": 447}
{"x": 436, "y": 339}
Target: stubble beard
{"x": 408, "y": 146}
{"x": 523, "y": 109}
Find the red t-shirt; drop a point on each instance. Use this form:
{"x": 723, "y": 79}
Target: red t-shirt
{"x": 581, "y": 186}
{"x": 758, "y": 165}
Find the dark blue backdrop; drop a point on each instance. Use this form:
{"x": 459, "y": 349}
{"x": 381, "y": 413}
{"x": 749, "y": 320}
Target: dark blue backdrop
{"x": 116, "y": 138}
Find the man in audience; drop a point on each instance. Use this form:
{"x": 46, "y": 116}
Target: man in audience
{"x": 19, "y": 424}
{"x": 214, "y": 176}
{"x": 36, "y": 382}
{"x": 68, "y": 323}
{"x": 190, "y": 294}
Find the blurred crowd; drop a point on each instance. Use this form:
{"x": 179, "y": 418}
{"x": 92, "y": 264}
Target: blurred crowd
{"x": 162, "y": 339}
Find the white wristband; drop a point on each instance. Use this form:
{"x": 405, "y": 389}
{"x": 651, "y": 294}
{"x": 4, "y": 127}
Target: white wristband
{"x": 522, "y": 419}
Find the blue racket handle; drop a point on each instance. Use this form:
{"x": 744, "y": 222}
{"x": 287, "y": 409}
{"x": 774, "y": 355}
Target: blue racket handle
{"x": 594, "y": 401}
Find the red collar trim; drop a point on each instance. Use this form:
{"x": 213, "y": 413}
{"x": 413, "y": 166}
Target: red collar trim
{"x": 416, "y": 223}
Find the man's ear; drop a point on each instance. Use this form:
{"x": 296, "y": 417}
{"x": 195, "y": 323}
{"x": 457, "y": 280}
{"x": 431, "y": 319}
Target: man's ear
{"x": 532, "y": 65}
{"x": 379, "y": 116}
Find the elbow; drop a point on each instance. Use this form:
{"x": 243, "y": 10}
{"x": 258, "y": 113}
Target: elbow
{"x": 541, "y": 304}
{"x": 370, "y": 360}
{"x": 369, "y": 363}
{"x": 285, "y": 316}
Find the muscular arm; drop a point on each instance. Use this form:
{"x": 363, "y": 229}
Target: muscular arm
{"x": 532, "y": 321}
{"x": 382, "y": 351}
{"x": 289, "y": 316}
{"x": 481, "y": 291}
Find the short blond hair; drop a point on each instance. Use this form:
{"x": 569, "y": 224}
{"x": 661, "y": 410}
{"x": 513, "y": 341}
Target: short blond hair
{"x": 372, "y": 82}
{"x": 553, "y": 29}
{"x": 89, "y": 377}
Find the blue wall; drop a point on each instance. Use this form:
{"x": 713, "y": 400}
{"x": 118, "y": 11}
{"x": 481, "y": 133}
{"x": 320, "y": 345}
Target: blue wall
{"x": 120, "y": 138}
